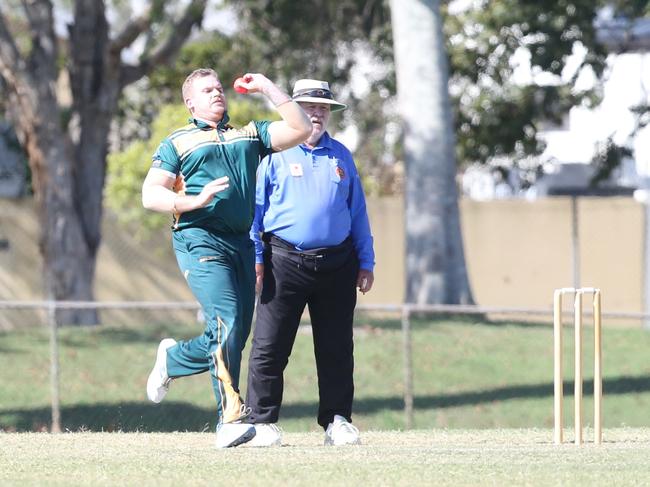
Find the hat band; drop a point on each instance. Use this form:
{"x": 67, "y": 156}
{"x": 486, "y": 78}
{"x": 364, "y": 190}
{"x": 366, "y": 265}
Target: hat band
{"x": 314, "y": 94}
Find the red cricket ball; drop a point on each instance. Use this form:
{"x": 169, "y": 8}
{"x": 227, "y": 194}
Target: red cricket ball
{"x": 238, "y": 85}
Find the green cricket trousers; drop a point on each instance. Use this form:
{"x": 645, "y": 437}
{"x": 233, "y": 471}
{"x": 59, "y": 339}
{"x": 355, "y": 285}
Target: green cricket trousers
{"x": 220, "y": 270}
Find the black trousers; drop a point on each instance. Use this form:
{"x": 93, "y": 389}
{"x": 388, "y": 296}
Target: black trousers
{"x": 325, "y": 281}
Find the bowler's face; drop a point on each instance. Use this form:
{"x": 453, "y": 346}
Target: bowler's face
{"x": 206, "y": 99}
{"x": 319, "y": 114}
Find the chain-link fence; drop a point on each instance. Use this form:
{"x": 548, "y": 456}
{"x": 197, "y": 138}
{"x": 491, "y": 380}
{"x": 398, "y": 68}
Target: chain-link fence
{"x": 94, "y": 376}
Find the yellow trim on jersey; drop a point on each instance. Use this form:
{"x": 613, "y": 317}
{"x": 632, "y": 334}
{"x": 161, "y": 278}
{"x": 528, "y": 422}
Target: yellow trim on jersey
{"x": 230, "y": 400}
{"x": 190, "y": 138}
{"x": 178, "y": 188}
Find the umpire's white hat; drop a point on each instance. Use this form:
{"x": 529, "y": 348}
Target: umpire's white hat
{"x": 315, "y": 91}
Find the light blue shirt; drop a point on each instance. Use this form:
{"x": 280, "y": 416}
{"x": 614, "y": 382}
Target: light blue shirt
{"x": 312, "y": 198}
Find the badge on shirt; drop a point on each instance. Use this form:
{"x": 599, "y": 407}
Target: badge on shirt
{"x": 295, "y": 169}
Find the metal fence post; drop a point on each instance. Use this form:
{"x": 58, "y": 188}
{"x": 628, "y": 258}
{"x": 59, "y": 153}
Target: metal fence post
{"x": 575, "y": 241}
{"x": 645, "y": 201}
{"x": 408, "y": 366}
{"x": 54, "y": 367}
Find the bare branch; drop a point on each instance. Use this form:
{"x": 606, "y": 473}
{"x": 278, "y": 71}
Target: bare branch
{"x": 179, "y": 32}
{"x": 131, "y": 32}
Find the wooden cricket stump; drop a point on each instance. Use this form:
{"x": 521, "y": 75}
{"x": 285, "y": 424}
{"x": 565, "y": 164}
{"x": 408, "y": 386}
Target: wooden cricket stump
{"x": 557, "y": 359}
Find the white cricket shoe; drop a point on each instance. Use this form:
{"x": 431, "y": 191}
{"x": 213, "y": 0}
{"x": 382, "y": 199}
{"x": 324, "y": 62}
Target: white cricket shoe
{"x": 234, "y": 434}
{"x": 341, "y": 432}
{"x": 266, "y": 434}
{"x": 158, "y": 382}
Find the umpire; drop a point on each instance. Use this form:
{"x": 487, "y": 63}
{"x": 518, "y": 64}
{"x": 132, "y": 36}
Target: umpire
{"x": 313, "y": 248}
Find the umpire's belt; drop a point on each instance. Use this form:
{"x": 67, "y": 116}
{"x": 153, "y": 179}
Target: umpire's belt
{"x": 322, "y": 259}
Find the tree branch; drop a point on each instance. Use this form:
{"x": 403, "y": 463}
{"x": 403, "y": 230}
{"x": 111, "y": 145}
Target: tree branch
{"x": 88, "y": 44}
{"x": 44, "y": 54}
{"x": 179, "y": 32}
{"x": 131, "y": 32}
{"x": 18, "y": 77}
{"x": 12, "y": 64}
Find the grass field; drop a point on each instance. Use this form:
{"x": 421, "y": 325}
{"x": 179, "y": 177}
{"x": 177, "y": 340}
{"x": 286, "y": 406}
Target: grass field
{"x": 467, "y": 375}
{"x": 434, "y": 457}
{"x": 483, "y": 412}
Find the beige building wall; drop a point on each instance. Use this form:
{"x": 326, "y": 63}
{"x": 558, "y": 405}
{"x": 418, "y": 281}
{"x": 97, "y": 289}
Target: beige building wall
{"x": 613, "y": 251}
{"x": 20, "y": 263}
{"x": 387, "y": 224}
{"x": 517, "y": 252}
{"x": 127, "y": 269}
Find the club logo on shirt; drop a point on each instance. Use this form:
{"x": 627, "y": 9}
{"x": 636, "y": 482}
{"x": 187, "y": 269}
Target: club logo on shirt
{"x": 295, "y": 169}
{"x": 340, "y": 172}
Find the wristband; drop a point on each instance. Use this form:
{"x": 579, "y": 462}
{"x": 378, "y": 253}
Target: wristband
{"x": 277, "y": 105}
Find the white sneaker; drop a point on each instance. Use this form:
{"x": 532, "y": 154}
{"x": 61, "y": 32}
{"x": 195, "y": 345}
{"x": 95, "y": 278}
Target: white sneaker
{"x": 341, "y": 432}
{"x": 234, "y": 434}
{"x": 266, "y": 434}
{"x": 158, "y": 382}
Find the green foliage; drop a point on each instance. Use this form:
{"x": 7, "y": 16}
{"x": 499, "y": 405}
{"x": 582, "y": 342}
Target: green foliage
{"x": 496, "y": 116}
{"x": 326, "y": 44}
{"x": 211, "y": 50}
{"x": 214, "y": 51}
{"x": 311, "y": 38}
{"x": 631, "y": 8}
{"x": 608, "y": 157}
{"x": 127, "y": 169}
{"x": 480, "y": 120}
{"x": 271, "y": 41}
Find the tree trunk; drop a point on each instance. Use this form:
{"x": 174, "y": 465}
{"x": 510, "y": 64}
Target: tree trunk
{"x": 68, "y": 263}
{"x": 435, "y": 261}
{"x": 68, "y": 161}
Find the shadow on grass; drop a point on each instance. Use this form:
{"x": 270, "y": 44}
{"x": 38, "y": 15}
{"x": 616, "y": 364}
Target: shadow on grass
{"x": 421, "y": 321}
{"x": 88, "y": 337}
{"x": 180, "y": 416}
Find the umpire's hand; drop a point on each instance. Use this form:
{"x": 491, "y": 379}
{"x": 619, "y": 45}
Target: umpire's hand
{"x": 364, "y": 280}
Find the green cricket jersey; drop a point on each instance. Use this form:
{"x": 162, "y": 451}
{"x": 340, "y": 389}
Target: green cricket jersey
{"x": 202, "y": 153}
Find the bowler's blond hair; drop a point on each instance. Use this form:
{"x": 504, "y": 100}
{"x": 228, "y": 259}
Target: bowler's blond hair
{"x": 197, "y": 73}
